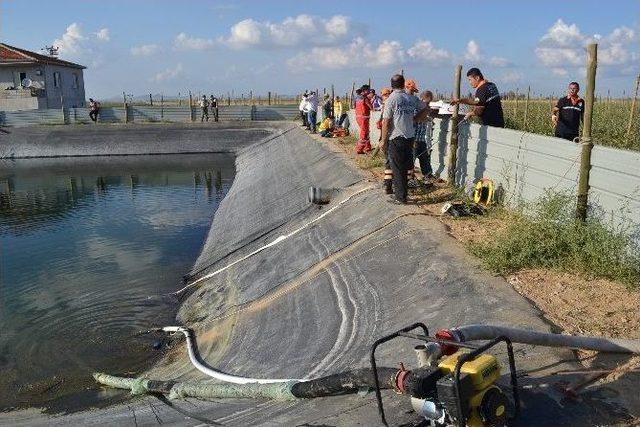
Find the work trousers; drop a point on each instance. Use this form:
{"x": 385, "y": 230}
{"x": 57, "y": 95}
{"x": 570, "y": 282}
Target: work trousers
{"x": 424, "y": 156}
{"x": 205, "y": 114}
{"x": 566, "y": 135}
{"x": 312, "y": 121}
{"x": 400, "y": 160}
{"x": 93, "y": 115}
{"x": 305, "y": 122}
{"x": 363, "y": 145}
{"x": 215, "y": 113}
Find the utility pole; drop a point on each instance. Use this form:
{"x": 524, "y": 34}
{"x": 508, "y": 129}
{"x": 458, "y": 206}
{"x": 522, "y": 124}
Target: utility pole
{"x": 587, "y": 143}
{"x": 453, "y": 139}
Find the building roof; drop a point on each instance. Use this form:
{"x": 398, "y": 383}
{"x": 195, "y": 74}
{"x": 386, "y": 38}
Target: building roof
{"x": 10, "y": 55}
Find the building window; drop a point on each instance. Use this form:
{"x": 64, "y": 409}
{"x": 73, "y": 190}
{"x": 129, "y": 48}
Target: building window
{"x": 76, "y": 82}
{"x": 56, "y": 79}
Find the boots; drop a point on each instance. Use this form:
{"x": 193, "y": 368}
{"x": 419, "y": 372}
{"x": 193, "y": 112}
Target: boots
{"x": 388, "y": 186}
{"x": 367, "y": 146}
{"x": 360, "y": 146}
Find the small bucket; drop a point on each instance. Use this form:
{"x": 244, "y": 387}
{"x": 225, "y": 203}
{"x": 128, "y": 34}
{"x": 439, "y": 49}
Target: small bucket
{"x": 320, "y": 196}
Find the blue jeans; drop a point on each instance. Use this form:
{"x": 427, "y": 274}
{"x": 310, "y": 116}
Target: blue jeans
{"x": 424, "y": 156}
{"x": 311, "y": 117}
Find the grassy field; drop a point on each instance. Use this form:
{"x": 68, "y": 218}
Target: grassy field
{"x": 610, "y": 120}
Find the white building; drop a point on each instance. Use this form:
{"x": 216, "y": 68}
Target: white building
{"x": 51, "y": 81}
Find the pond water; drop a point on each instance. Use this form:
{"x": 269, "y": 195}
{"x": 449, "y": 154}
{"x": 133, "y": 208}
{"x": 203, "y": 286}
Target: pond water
{"x": 87, "y": 248}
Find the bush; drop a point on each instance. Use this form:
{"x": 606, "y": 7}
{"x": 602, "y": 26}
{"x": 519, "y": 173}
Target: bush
{"x": 546, "y": 234}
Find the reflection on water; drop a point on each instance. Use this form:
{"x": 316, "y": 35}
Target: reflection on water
{"x": 86, "y": 248}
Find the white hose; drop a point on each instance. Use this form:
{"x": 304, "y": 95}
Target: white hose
{"x": 488, "y": 332}
{"x": 214, "y": 373}
{"x": 272, "y": 243}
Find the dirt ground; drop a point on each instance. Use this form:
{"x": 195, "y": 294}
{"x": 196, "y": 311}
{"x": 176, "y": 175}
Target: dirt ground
{"x": 575, "y": 304}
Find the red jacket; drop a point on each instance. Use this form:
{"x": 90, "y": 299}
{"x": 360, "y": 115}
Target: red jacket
{"x": 363, "y": 106}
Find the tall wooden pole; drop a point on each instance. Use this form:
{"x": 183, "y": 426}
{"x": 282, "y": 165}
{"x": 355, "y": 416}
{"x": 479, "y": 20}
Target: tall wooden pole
{"x": 633, "y": 108}
{"x": 269, "y": 98}
{"x": 526, "y": 108}
{"x": 587, "y": 143}
{"x": 191, "y": 106}
{"x": 453, "y": 139}
{"x": 333, "y": 100}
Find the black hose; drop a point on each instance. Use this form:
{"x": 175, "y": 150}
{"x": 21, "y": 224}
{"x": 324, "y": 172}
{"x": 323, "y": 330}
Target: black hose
{"x": 344, "y": 383}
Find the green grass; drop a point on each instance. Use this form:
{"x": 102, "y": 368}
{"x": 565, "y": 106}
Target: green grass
{"x": 610, "y": 121}
{"x": 546, "y": 235}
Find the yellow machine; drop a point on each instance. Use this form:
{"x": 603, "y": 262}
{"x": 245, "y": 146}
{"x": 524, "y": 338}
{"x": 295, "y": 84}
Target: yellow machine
{"x": 483, "y": 401}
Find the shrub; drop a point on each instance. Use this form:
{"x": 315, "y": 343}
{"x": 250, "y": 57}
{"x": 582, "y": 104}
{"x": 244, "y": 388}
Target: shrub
{"x": 546, "y": 234}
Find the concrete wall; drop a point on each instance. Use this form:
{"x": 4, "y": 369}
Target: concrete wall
{"x": 73, "y": 94}
{"x": 146, "y": 114}
{"x": 527, "y": 165}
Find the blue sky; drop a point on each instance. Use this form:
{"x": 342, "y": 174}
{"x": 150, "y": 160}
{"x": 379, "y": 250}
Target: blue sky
{"x": 145, "y": 46}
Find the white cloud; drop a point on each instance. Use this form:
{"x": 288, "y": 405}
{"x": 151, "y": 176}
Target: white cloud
{"x": 70, "y": 43}
{"x": 145, "y": 50}
{"x": 425, "y": 51}
{"x": 559, "y": 71}
{"x": 300, "y": 30}
{"x": 103, "y": 35}
{"x": 168, "y": 74}
{"x": 564, "y": 45}
{"x": 185, "y": 42}
{"x": 356, "y": 53}
{"x": 75, "y": 44}
{"x": 474, "y": 54}
{"x": 359, "y": 51}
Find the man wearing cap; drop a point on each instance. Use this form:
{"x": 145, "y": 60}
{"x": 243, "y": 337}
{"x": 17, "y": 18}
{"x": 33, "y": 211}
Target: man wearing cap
{"x": 486, "y": 103}
{"x": 398, "y": 133}
{"x": 363, "y": 113}
{"x": 568, "y": 113}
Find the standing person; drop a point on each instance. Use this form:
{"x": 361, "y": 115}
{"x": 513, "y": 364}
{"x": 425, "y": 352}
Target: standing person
{"x": 312, "y": 108}
{"x": 486, "y": 103}
{"x": 422, "y": 146}
{"x": 376, "y": 100}
{"x": 94, "y": 110}
{"x": 398, "y": 133}
{"x": 411, "y": 88}
{"x": 326, "y": 107}
{"x": 303, "y": 109}
{"x": 204, "y": 106}
{"x": 213, "y": 103}
{"x": 388, "y": 173}
{"x": 340, "y": 111}
{"x": 363, "y": 114}
{"x": 568, "y": 113}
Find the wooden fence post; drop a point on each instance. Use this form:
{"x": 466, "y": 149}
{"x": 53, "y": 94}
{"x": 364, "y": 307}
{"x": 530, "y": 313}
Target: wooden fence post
{"x": 151, "y": 100}
{"x": 333, "y": 100}
{"x": 633, "y": 108}
{"x": 587, "y": 143}
{"x": 453, "y": 138}
{"x": 162, "y": 107}
{"x": 526, "y": 109}
{"x": 191, "y": 106}
{"x": 269, "y": 98}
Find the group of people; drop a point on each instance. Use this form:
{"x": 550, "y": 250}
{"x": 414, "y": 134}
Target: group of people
{"x": 205, "y": 104}
{"x": 334, "y": 120}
